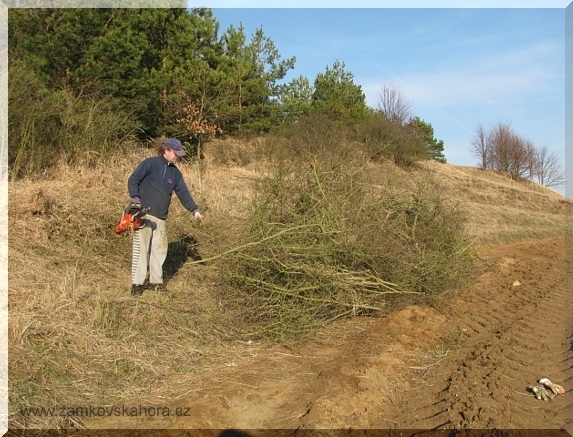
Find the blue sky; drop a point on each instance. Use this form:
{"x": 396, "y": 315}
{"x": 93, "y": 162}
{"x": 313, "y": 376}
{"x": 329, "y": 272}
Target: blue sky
{"x": 458, "y": 67}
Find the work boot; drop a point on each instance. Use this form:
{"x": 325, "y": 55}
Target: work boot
{"x": 157, "y": 287}
{"x": 137, "y": 290}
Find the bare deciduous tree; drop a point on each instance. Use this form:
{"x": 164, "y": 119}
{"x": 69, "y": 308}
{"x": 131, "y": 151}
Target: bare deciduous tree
{"x": 518, "y": 157}
{"x": 548, "y": 169}
{"x": 507, "y": 151}
{"x": 394, "y": 105}
{"x": 502, "y": 150}
{"x": 479, "y": 147}
{"x": 500, "y": 143}
{"x": 530, "y": 159}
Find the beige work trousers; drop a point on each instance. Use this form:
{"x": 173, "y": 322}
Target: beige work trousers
{"x": 149, "y": 251}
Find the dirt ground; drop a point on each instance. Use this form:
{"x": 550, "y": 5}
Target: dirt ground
{"x": 465, "y": 365}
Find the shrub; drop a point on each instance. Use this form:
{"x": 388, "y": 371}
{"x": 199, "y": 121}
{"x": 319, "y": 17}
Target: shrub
{"x": 48, "y": 127}
{"x": 387, "y": 139}
{"x": 324, "y": 244}
{"x": 32, "y": 122}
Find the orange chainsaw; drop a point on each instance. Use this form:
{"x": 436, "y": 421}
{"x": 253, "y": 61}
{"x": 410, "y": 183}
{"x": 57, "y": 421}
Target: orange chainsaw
{"x": 131, "y": 219}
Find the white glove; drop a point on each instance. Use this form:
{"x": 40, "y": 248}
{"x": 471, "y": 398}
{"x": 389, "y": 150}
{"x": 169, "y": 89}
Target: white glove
{"x": 555, "y": 388}
{"x": 197, "y": 215}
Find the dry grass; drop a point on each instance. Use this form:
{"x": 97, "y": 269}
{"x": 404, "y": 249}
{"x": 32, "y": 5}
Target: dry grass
{"x": 77, "y": 338}
{"x": 74, "y": 331}
{"x": 501, "y": 210}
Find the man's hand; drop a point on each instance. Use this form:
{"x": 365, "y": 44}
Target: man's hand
{"x": 135, "y": 205}
{"x": 197, "y": 215}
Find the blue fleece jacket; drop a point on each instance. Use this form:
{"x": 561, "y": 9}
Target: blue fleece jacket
{"x": 154, "y": 181}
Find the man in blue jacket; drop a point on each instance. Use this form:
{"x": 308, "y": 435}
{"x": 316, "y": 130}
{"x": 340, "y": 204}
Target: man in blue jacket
{"x": 151, "y": 185}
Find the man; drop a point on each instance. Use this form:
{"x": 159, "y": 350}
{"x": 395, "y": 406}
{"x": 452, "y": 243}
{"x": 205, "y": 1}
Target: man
{"x": 151, "y": 185}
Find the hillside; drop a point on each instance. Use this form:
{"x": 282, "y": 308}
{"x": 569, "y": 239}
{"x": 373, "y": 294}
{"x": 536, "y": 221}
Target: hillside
{"x": 77, "y": 338}
{"x": 502, "y": 210}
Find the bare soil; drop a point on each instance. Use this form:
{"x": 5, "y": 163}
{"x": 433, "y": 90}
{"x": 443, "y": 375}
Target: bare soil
{"x": 462, "y": 364}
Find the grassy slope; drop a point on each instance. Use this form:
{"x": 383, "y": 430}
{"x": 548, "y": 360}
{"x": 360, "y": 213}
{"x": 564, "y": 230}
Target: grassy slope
{"x": 501, "y": 210}
{"x": 77, "y": 338}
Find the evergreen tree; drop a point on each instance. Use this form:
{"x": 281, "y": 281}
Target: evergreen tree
{"x": 295, "y": 99}
{"x": 161, "y": 64}
{"x": 336, "y": 94}
{"x": 425, "y": 132}
{"x": 252, "y": 71}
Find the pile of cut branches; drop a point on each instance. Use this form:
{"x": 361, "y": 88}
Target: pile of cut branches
{"x": 323, "y": 244}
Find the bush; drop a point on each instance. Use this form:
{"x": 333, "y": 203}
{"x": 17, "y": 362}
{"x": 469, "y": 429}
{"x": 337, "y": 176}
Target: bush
{"x": 32, "y": 122}
{"x": 426, "y": 234}
{"x": 324, "y": 244}
{"x": 47, "y": 127}
{"x": 387, "y": 139}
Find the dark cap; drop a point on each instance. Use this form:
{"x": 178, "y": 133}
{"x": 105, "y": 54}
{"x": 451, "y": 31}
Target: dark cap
{"x": 175, "y": 145}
